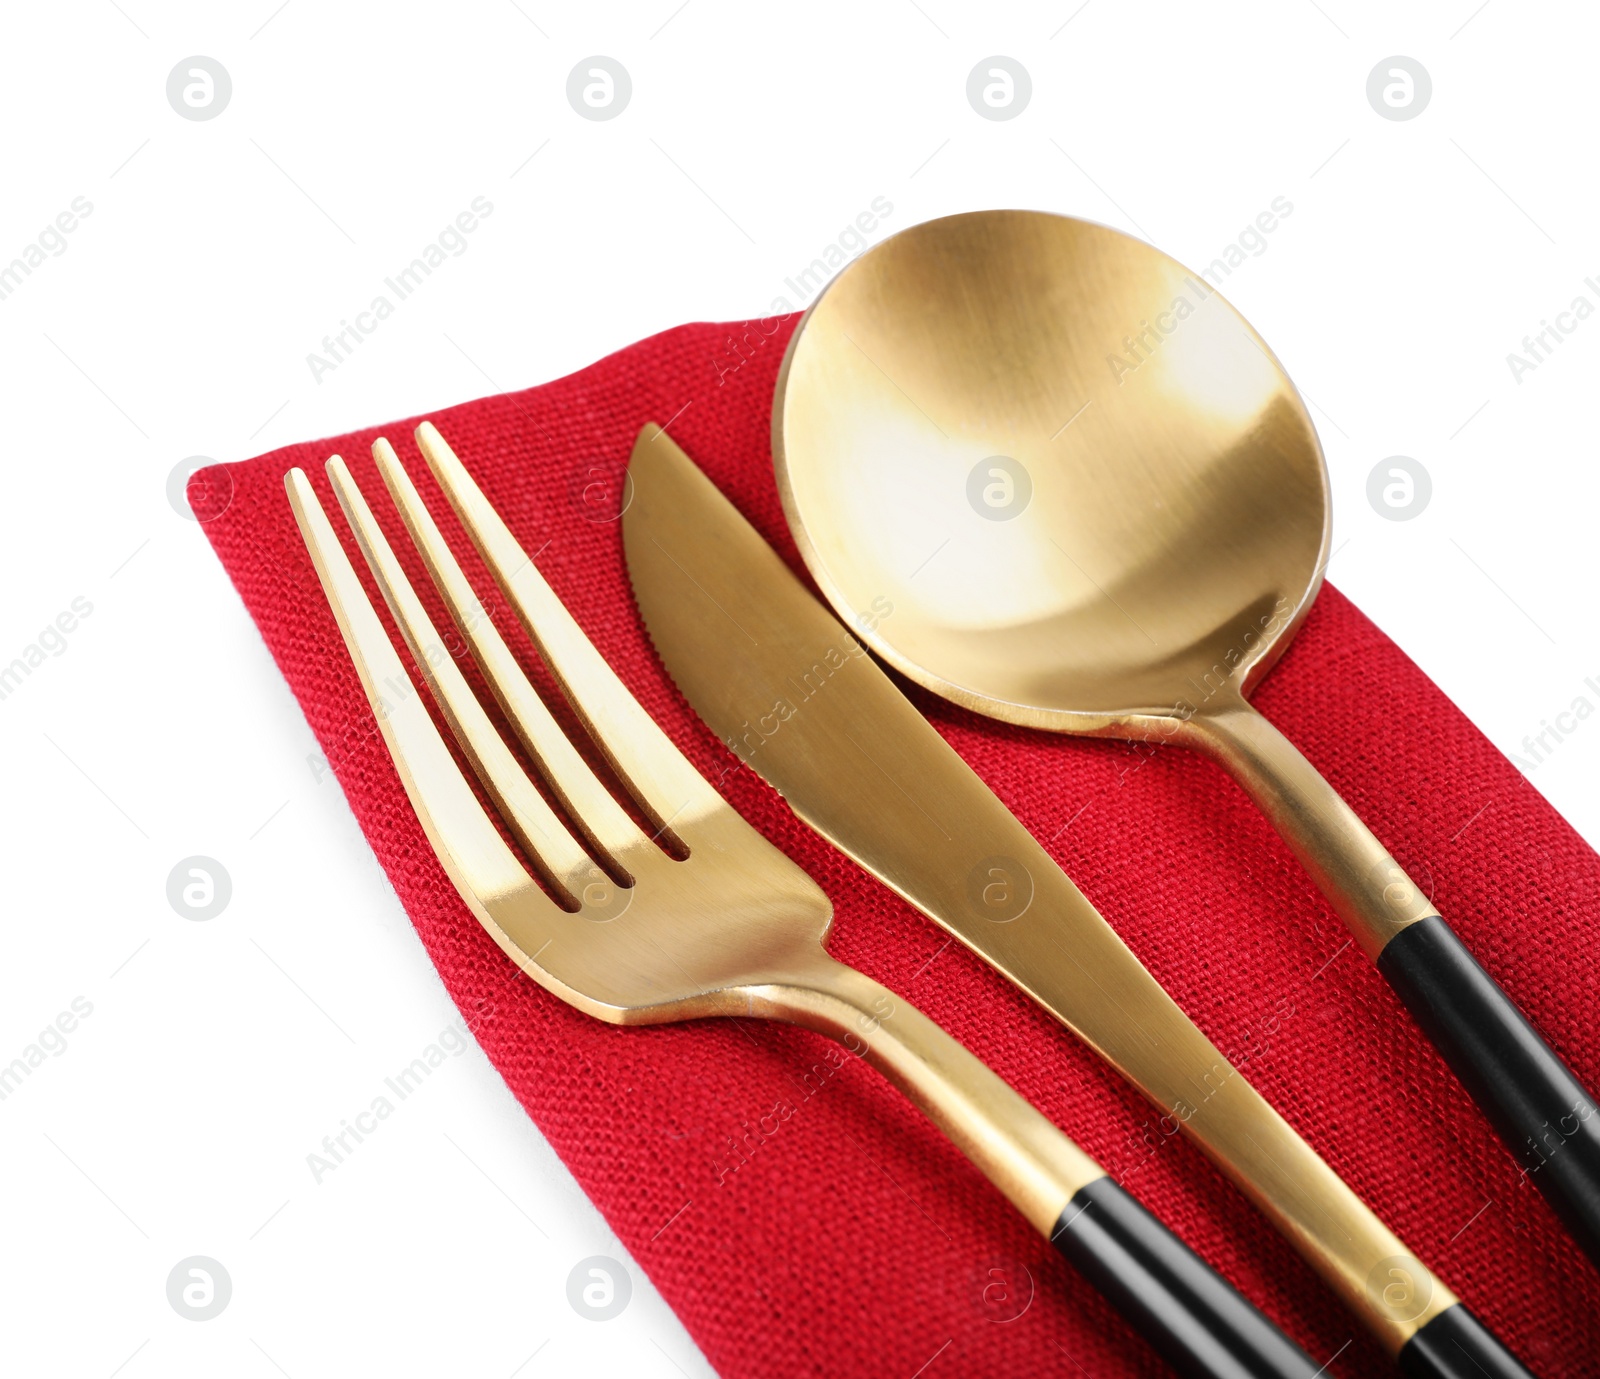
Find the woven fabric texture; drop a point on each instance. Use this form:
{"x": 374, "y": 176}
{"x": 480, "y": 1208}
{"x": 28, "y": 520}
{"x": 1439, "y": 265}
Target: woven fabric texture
{"x": 847, "y": 1237}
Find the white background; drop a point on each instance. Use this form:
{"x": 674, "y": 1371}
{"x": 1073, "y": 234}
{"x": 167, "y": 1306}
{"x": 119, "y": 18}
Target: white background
{"x": 218, "y": 254}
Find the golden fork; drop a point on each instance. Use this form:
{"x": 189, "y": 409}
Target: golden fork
{"x": 704, "y": 916}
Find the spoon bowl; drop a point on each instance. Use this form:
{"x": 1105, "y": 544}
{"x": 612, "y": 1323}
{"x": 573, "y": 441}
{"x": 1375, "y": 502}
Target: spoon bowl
{"x": 1090, "y": 493}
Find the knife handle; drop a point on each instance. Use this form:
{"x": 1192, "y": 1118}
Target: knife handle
{"x": 1536, "y": 1105}
{"x": 1529, "y": 1095}
{"x": 1456, "y": 1345}
{"x": 1200, "y": 1325}
{"x": 1191, "y": 1316}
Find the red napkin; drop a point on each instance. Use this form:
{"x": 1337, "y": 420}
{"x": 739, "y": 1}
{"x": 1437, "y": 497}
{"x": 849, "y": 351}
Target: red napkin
{"x": 846, "y": 1236}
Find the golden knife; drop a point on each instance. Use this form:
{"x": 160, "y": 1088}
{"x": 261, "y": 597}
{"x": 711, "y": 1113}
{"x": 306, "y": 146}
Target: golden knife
{"x": 798, "y": 700}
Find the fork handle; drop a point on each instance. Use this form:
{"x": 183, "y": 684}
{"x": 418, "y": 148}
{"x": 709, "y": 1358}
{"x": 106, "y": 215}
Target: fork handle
{"x": 1197, "y": 1321}
{"x": 1193, "y": 1317}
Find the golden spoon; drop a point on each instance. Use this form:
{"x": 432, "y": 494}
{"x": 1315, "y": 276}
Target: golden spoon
{"x": 1095, "y": 504}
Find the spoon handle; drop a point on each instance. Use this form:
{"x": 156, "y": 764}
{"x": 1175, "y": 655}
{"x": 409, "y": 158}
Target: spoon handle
{"x": 1533, "y": 1100}
{"x": 1545, "y": 1116}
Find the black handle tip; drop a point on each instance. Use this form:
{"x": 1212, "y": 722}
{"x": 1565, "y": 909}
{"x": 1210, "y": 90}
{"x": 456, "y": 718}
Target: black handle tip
{"x": 1194, "y": 1318}
{"x": 1456, "y": 1345}
{"x": 1538, "y": 1107}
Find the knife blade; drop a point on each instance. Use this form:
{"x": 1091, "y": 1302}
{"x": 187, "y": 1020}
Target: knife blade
{"x": 796, "y": 698}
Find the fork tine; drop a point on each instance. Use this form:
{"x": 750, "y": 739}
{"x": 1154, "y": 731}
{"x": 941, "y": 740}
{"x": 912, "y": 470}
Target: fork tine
{"x": 463, "y": 837}
{"x": 655, "y": 773}
{"x": 605, "y": 826}
{"x": 544, "y": 838}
